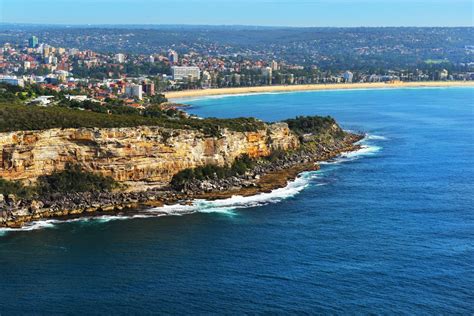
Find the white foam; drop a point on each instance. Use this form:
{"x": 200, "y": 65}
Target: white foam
{"x": 31, "y": 226}
{"x": 376, "y": 137}
{"x": 228, "y": 206}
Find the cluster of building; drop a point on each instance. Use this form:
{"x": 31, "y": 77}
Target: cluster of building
{"x": 102, "y": 75}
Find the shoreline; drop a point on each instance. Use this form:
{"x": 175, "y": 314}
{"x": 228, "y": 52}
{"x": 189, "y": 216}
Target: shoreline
{"x": 132, "y": 203}
{"x": 175, "y": 95}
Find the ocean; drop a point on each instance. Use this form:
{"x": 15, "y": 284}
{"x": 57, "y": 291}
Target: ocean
{"x": 385, "y": 230}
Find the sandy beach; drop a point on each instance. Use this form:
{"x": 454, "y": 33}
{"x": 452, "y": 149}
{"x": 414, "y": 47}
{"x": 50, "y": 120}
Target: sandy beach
{"x": 308, "y": 87}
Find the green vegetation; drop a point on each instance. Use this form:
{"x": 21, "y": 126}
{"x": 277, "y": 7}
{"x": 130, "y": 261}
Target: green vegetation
{"x": 239, "y": 167}
{"x": 15, "y": 116}
{"x": 16, "y": 94}
{"x": 72, "y": 179}
{"x": 315, "y": 125}
{"x": 116, "y": 108}
{"x": 16, "y": 188}
{"x": 21, "y": 117}
{"x": 436, "y": 61}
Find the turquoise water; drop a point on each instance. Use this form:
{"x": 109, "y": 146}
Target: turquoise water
{"x": 387, "y": 230}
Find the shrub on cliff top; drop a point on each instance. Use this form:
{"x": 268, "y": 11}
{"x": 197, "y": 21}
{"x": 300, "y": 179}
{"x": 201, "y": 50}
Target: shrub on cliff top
{"x": 74, "y": 179}
{"x": 313, "y": 125}
{"x": 21, "y": 117}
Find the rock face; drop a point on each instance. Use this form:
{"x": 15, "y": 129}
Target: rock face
{"x": 140, "y": 154}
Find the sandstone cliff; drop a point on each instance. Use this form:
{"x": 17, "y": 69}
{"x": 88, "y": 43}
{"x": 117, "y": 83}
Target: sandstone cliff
{"x": 140, "y": 154}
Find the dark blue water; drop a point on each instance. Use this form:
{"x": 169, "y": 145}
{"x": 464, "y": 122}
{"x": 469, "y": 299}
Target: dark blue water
{"x": 387, "y": 230}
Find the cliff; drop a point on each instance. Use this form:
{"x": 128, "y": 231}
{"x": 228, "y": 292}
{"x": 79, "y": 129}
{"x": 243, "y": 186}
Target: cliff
{"x": 144, "y": 154}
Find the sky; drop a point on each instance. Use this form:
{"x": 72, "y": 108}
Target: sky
{"x": 341, "y": 13}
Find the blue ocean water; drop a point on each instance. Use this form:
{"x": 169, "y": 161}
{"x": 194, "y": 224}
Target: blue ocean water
{"x": 387, "y": 230}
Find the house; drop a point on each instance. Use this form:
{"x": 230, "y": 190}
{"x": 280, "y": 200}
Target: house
{"x": 43, "y": 100}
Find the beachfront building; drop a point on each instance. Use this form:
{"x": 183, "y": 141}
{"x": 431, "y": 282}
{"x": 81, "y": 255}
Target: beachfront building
{"x": 348, "y": 76}
{"x": 267, "y": 73}
{"x": 274, "y": 66}
{"x": 134, "y": 91}
{"x": 185, "y": 72}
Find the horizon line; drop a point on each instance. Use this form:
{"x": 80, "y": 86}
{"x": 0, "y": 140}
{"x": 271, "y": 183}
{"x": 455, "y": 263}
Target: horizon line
{"x": 226, "y": 25}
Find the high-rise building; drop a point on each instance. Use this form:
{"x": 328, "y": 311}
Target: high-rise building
{"x": 180, "y": 73}
{"x": 151, "y": 59}
{"x": 134, "y": 90}
{"x": 33, "y": 42}
{"x": 172, "y": 56}
{"x": 267, "y": 72}
{"x": 274, "y": 65}
{"x": 149, "y": 88}
{"x": 46, "y": 50}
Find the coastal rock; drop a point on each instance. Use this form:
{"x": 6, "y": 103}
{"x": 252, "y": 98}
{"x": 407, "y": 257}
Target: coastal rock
{"x": 140, "y": 156}
{"x": 35, "y": 206}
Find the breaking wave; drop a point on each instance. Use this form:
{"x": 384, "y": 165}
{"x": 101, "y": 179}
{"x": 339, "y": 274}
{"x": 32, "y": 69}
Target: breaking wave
{"x": 227, "y": 206}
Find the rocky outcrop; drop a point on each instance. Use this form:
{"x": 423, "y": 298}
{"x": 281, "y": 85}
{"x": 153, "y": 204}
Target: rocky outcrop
{"x": 264, "y": 177}
{"x": 150, "y": 155}
{"x": 147, "y": 158}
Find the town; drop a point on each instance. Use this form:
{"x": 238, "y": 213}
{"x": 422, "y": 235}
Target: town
{"x": 139, "y": 79}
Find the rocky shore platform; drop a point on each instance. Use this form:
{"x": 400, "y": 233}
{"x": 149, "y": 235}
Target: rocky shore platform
{"x": 264, "y": 177}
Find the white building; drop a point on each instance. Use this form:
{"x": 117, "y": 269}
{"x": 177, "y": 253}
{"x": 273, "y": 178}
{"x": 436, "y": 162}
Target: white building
{"x": 180, "y": 73}
{"x": 120, "y": 58}
{"x": 79, "y": 98}
{"x": 134, "y": 90}
{"x": 274, "y": 65}
{"x": 43, "y": 100}
{"x": 12, "y": 80}
{"x": 348, "y": 76}
{"x": 443, "y": 75}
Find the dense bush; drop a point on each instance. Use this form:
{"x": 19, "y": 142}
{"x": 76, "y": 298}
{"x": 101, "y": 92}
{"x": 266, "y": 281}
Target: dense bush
{"x": 238, "y": 167}
{"x": 15, "y": 94}
{"x": 74, "y": 179}
{"x": 114, "y": 108}
{"x": 276, "y": 155}
{"x": 16, "y": 188}
{"x": 315, "y": 125}
{"x": 21, "y": 117}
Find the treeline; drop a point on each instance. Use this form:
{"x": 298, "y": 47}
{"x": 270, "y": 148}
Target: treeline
{"x": 132, "y": 69}
{"x": 20, "y": 117}
{"x": 15, "y": 94}
{"x": 72, "y": 179}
